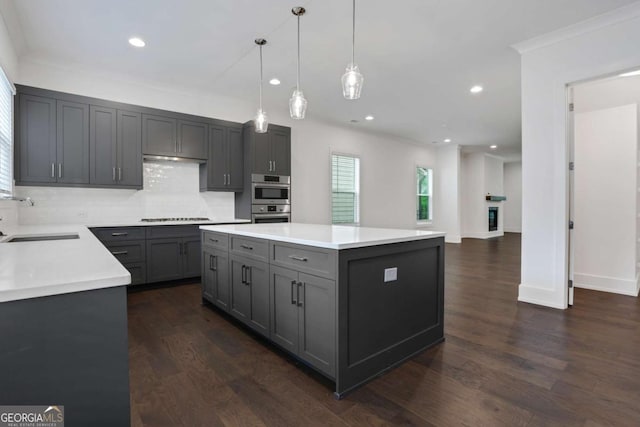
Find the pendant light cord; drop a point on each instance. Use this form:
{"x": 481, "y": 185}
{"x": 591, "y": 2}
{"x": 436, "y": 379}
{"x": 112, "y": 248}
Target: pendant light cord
{"x": 353, "y": 39}
{"x": 298, "y": 75}
{"x": 260, "y": 77}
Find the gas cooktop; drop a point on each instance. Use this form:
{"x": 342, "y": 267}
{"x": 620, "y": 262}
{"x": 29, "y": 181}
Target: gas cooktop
{"x": 174, "y": 219}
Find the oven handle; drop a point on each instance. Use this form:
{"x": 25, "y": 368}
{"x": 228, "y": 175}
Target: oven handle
{"x": 270, "y": 185}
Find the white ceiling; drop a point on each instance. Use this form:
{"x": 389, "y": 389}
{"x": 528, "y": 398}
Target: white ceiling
{"x": 419, "y": 57}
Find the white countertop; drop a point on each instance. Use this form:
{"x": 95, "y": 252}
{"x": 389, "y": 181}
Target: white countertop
{"x": 325, "y": 236}
{"x": 44, "y": 268}
{"x": 138, "y": 223}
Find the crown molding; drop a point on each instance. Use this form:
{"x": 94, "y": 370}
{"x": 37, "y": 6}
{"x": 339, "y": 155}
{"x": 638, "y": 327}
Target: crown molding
{"x": 616, "y": 16}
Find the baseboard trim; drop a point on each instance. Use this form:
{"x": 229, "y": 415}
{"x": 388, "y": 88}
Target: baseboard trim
{"x": 512, "y": 230}
{"x": 614, "y": 285}
{"x": 539, "y": 296}
{"x": 452, "y": 239}
{"x": 483, "y": 234}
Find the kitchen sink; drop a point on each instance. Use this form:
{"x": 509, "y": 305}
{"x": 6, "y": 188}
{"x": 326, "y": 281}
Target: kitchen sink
{"x": 42, "y": 237}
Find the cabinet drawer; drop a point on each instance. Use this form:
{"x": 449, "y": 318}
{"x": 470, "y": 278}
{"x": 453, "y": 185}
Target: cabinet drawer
{"x": 254, "y": 248}
{"x": 321, "y": 262}
{"x": 112, "y": 234}
{"x": 138, "y": 272}
{"x": 162, "y": 231}
{"x": 127, "y": 252}
{"x": 216, "y": 240}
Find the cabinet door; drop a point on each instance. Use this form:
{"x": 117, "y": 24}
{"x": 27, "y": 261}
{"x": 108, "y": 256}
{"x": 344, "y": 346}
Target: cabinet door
{"x": 240, "y": 304}
{"x": 318, "y": 322}
{"x": 103, "y": 145}
{"x": 192, "y": 139}
{"x": 164, "y": 259}
{"x": 284, "y": 308}
{"x": 217, "y": 161}
{"x": 257, "y": 276}
{"x": 235, "y": 157}
{"x": 216, "y": 284}
{"x": 209, "y": 275}
{"x": 159, "y": 135}
{"x": 281, "y": 152}
{"x": 191, "y": 257}
{"x": 129, "y": 149}
{"x": 37, "y": 141}
{"x": 262, "y": 162}
{"x": 72, "y": 142}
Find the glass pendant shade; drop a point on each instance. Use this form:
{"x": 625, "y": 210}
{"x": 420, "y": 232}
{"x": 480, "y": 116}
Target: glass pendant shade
{"x": 297, "y": 105}
{"x": 261, "y": 121}
{"x": 352, "y": 82}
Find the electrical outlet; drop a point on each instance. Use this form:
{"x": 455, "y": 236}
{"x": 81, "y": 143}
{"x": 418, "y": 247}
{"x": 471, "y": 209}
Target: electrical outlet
{"x": 390, "y": 274}
{"x": 82, "y": 214}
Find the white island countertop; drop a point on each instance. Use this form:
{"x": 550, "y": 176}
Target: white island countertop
{"x": 325, "y": 236}
{"x": 53, "y": 267}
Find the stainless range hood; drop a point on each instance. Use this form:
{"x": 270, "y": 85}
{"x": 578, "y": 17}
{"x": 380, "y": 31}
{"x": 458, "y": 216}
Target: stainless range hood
{"x": 153, "y": 158}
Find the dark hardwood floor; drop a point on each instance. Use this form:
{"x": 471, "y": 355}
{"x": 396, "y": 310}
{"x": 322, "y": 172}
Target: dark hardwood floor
{"x": 503, "y": 362}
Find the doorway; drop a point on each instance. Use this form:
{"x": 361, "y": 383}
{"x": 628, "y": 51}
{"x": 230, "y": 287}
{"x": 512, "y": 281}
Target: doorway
{"x": 604, "y": 226}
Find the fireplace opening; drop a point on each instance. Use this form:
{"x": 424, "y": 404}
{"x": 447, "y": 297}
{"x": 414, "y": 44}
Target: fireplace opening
{"x": 493, "y": 219}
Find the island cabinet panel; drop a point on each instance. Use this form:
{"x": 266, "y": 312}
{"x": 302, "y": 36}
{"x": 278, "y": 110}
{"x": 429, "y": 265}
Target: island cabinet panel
{"x": 215, "y": 276}
{"x": 250, "y": 292}
{"x": 316, "y": 261}
{"x": 303, "y": 317}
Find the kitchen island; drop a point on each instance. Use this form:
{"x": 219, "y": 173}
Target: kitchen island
{"x": 349, "y": 302}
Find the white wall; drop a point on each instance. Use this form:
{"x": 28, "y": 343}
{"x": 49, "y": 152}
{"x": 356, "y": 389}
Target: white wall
{"x": 513, "y": 192}
{"x": 387, "y": 163}
{"x": 482, "y": 174}
{"x": 598, "y": 47}
{"x": 606, "y": 149}
{"x": 447, "y": 193}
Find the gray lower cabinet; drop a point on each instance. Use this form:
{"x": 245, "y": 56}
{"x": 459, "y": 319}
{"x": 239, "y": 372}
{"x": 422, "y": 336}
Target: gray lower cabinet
{"x": 303, "y": 319}
{"x": 249, "y": 282}
{"x": 215, "y": 276}
{"x": 53, "y": 142}
{"x": 173, "y": 258}
{"x": 116, "y": 148}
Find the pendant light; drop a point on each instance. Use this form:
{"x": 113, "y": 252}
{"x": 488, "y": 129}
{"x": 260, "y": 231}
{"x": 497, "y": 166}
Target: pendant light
{"x": 261, "y": 121}
{"x": 298, "y": 103}
{"x": 352, "y": 80}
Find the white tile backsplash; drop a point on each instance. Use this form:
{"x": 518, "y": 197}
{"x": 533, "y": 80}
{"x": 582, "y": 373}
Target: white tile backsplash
{"x": 171, "y": 189}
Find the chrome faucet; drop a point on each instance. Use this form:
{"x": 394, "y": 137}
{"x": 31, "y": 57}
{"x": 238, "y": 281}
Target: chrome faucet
{"x": 20, "y": 199}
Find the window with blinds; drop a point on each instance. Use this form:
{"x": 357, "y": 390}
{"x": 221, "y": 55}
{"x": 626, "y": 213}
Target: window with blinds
{"x": 345, "y": 189}
{"x": 6, "y": 134}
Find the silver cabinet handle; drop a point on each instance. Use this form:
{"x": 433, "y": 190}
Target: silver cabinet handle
{"x": 299, "y": 258}
{"x": 247, "y": 247}
{"x": 212, "y": 266}
{"x": 120, "y": 252}
{"x": 300, "y": 285}
{"x": 119, "y": 174}
{"x": 228, "y": 179}
{"x": 274, "y": 165}
{"x": 270, "y": 165}
{"x": 119, "y": 234}
{"x": 53, "y": 170}
{"x": 59, "y": 170}
{"x": 294, "y": 285}
{"x": 114, "y": 173}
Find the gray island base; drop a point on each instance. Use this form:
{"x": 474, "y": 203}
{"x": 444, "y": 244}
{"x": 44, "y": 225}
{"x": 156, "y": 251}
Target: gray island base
{"x": 349, "y": 302}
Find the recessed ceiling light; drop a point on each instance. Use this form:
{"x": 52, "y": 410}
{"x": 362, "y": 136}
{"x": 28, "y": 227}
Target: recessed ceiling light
{"x": 369, "y": 118}
{"x": 137, "y": 42}
{"x": 476, "y": 89}
{"x": 493, "y": 147}
{"x": 274, "y": 81}
{"x": 447, "y": 140}
{"x": 630, "y": 74}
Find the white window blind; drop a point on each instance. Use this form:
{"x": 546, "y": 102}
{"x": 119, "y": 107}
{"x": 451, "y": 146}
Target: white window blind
{"x": 424, "y": 185}
{"x": 345, "y": 189}
{"x": 6, "y": 134}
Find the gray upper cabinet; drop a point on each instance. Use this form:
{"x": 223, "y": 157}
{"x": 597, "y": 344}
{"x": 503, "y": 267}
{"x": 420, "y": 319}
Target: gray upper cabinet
{"x": 271, "y": 151}
{"x": 224, "y": 168}
{"x": 36, "y": 151}
{"x": 116, "y": 148}
{"x": 72, "y": 142}
{"x": 159, "y": 135}
{"x": 192, "y": 139}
